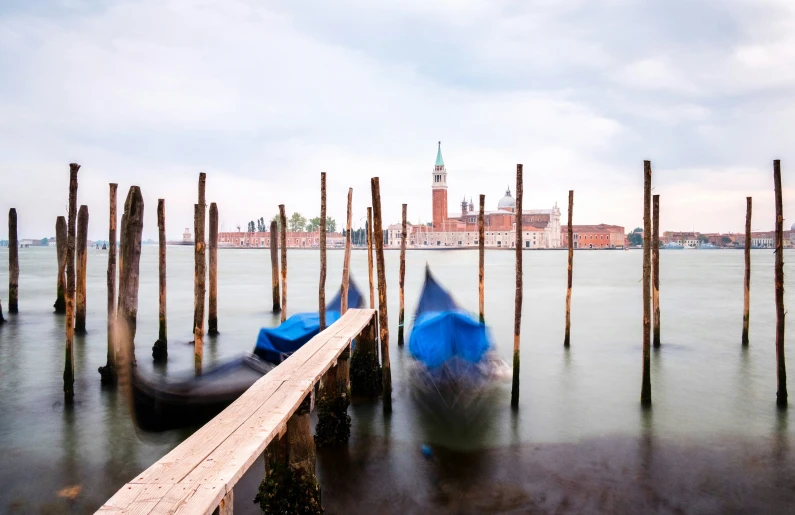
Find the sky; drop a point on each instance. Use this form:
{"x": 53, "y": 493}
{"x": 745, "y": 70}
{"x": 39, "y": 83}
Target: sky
{"x": 265, "y": 95}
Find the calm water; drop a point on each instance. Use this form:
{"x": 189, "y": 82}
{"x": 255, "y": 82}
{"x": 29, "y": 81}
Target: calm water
{"x": 713, "y": 429}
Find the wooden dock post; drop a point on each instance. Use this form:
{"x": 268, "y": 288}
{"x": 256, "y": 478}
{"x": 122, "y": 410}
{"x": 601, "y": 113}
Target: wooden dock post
{"x": 383, "y": 322}
{"x": 212, "y": 321}
{"x": 370, "y": 255}
{"x": 781, "y": 370}
{"x": 333, "y": 422}
{"x": 655, "y": 269}
{"x": 346, "y": 262}
{"x": 567, "y": 336}
{"x": 517, "y": 315}
{"x": 645, "y": 392}
{"x": 60, "y": 248}
{"x": 482, "y": 260}
{"x": 69, "y": 362}
{"x": 402, "y": 279}
{"x": 274, "y": 245}
{"x": 365, "y": 371}
{"x": 321, "y": 290}
{"x": 747, "y": 281}
{"x": 81, "y": 263}
{"x": 283, "y": 237}
{"x": 109, "y": 373}
{"x": 13, "y": 262}
{"x": 132, "y": 222}
{"x": 160, "y": 348}
{"x": 200, "y": 274}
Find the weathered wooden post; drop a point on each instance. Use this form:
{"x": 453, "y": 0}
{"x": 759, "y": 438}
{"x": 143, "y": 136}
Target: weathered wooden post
{"x": 69, "y": 364}
{"x": 160, "y": 348}
{"x": 132, "y": 222}
{"x": 109, "y": 373}
{"x": 200, "y": 274}
{"x": 482, "y": 260}
{"x": 346, "y": 263}
{"x": 274, "y": 244}
{"x": 13, "y": 262}
{"x": 81, "y": 262}
{"x": 655, "y": 272}
{"x": 321, "y": 291}
{"x": 402, "y": 279}
{"x": 212, "y": 322}
{"x": 283, "y": 236}
{"x": 370, "y": 255}
{"x": 747, "y": 281}
{"x": 517, "y": 315}
{"x": 570, "y": 231}
{"x": 60, "y": 248}
{"x": 2, "y": 319}
{"x": 645, "y": 392}
{"x": 333, "y": 422}
{"x": 781, "y": 370}
{"x": 383, "y": 322}
{"x": 365, "y": 370}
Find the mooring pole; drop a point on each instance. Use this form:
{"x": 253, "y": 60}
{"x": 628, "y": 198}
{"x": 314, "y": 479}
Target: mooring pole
{"x": 482, "y": 260}
{"x": 370, "y": 255}
{"x": 346, "y": 263}
{"x": 160, "y": 348}
{"x": 274, "y": 244}
{"x": 781, "y": 370}
{"x": 283, "y": 235}
{"x": 69, "y": 365}
{"x": 383, "y": 322}
{"x": 517, "y": 315}
{"x": 109, "y": 373}
{"x": 198, "y": 315}
{"x": 60, "y": 248}
{"x": 13, "y": 262}
{"x": 82, "y": 262}
{"x": 132, "y": 222}
{"x": 212, "y": 322}
{"x": 402, "y": 278}
{"x": 570, "y": 230}
{"x": 645, "y": 392}
{"x": 321, "y": 290}
{"x": 199, "y": 279}
{"x": 655, "y": 272}
{"x": 747, "y": 281}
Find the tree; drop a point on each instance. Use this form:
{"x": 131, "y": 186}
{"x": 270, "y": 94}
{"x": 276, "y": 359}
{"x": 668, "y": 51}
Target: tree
{"x": 296, "y": 223}
{"x": 44, "y": 242}
{"x": 702, "y": 238}
{"x": 261, "y": 225}
{"x": 313, "y": 225}
{"x": 635, "y": 237}
{"x": 725, "y": 240}
{"x": 251, "y": 227}
{"x": 278, "y": 221}
{"x": 331, "y": 224}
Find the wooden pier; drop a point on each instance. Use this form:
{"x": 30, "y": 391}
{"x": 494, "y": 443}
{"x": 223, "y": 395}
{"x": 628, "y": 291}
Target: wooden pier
{"x": 199, "y": 475}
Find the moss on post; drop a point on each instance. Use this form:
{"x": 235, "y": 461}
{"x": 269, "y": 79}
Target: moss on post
{"x": 333, "y": 422}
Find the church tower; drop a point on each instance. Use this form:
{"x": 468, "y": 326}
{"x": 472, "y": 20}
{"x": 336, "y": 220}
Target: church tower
{"x": 439, "y": 189}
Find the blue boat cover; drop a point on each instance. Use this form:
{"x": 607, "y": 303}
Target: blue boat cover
{"x": 442, "y": 330}
{"x": 275, "y": 344}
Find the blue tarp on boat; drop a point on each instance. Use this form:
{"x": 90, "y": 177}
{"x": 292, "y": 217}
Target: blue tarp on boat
{"x": 442, "y": 330}
{"x": 275, "y": 344}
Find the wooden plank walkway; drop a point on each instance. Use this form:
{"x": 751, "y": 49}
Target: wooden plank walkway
{"x": 201, "y": 472}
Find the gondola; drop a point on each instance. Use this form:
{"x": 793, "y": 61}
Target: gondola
{"x": 164, "y": 405}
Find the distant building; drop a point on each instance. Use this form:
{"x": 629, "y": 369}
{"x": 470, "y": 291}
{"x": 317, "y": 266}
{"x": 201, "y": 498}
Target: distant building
{"x": 294, "y": 239}
{"x": 186, "y": 236}
{"x": 600, "y": 236}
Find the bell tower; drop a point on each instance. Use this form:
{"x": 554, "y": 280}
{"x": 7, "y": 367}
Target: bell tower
{"x": 439, "y": 190}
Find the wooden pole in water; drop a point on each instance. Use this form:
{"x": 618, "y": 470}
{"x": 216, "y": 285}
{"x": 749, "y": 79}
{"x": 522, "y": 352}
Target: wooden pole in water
{"x": 346, "y": 263}
{"x": 132, "y": 222}
{"x": 570, "y": 230}
{"x": 160, "y": 348}
{"x": 198, "y": 219}
{"x": 747, "y": 281}
{"x": 13, "y": 262}
{"x": 781, "y": 370}
{"x": 109, "y": 373}
{"x": 69, "y": 362}
{"x": 60, "y": 248}
{"x": 482, "y": 260}
{"x": 212, "y": 322}
{"x": 402, "y": 280}
{"x": 274, "y": 244}
{"x": 517, "y": 315}
{"x": 370, "y": 255}
{"x": 81, "y": 262}
{"x": 655, "y": 272}
{"x": 383, "y": 322}
{"x": 645, "y": 392}
{"x": 283, "y": 237}
{"x": 321, "y": 290}
{"x": 198, "y": 329}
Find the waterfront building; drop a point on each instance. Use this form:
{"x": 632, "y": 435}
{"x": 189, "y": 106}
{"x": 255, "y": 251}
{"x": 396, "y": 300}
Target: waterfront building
{"x": 600, "y": 236}
{"x": 186, "y": 236}
{"x": 294, "y": 239}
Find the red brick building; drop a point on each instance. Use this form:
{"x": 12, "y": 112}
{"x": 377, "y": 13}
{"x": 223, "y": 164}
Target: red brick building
{"x": 600, "y": 236}
{"x": 263, "y": 239}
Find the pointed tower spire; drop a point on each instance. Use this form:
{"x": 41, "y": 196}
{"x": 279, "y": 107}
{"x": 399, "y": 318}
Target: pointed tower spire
{"x": 439, "y": 160}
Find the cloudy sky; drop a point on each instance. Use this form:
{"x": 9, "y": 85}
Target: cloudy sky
{"x": 263, "y": 96}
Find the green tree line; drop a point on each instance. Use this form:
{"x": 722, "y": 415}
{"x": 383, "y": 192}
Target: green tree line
{"x": 295, "y": 223}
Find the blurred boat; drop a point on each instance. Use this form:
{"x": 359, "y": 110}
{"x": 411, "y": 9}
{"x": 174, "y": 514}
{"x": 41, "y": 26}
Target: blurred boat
{"x": 673, "y": 245}
{"x": 191, "y": 401}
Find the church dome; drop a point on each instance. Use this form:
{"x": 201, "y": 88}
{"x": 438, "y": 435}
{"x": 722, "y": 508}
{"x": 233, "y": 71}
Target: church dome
{"x": 507, "y": 202}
